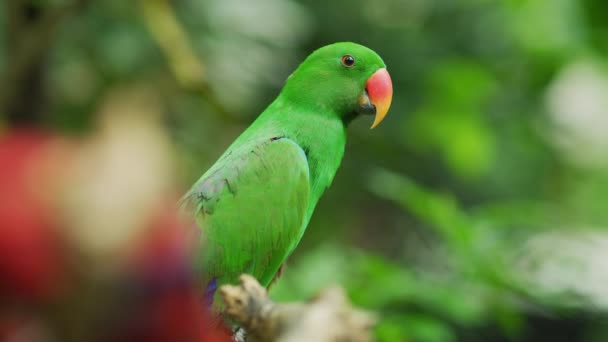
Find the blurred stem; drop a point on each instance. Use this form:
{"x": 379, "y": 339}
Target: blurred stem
{"x": 186, "y": 66}
{"x": 162, "y": 23}
{"x": 443, "y": 213}
{"x": 31, "y": 31}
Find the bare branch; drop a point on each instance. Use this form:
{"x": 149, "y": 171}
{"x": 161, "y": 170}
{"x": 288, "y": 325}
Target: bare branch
{"x": 327, "y": 317}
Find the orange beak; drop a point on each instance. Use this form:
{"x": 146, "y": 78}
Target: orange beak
{"x": 379, "y": 88}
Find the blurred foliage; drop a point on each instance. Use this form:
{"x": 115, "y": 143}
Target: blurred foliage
{"x": 475, "y": 212}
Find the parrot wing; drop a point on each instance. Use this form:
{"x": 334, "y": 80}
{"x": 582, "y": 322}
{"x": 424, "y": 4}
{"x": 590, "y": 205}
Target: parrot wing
{"x": 251, "y": 207}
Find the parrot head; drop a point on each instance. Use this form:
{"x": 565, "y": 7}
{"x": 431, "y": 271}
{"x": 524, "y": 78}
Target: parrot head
{"x": 344, "y": 79}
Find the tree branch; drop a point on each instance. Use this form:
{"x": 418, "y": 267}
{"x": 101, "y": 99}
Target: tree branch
{"x": 327, "y": 317}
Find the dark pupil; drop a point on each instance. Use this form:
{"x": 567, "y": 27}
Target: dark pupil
{"x": 349, "y": 60}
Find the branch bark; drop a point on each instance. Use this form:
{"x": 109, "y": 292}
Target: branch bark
{"x": 327, "y": 317}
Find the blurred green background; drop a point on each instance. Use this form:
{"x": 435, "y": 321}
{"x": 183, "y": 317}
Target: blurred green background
{"x": 477, "y": 211}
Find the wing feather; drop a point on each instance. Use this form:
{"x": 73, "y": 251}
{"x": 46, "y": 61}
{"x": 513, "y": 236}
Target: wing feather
{"x": 251, "y": 208}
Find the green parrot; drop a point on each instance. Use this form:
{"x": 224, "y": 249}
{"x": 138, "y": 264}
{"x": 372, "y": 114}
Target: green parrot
{"x": 253, "y": 205}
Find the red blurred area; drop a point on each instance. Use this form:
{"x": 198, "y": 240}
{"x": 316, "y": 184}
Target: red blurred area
{"x": 165, "y": 251}
{"x": 30, "y": 252}
{"x": 155, "y": 287}
{"x": 175, "y": 314}
{"x": 170, "y": 306}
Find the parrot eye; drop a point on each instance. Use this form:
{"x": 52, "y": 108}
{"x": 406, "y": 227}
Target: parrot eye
{"x": 348, "y": 61}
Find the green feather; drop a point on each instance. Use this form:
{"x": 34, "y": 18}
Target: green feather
{"x": 254, "y": 203}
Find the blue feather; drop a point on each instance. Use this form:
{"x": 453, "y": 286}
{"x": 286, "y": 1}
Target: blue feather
{"x": 210, "y": 292}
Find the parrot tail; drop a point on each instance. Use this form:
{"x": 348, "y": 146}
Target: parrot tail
{"x": 210, "y": 292}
